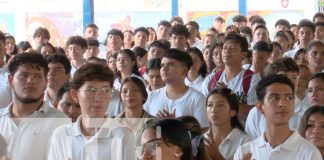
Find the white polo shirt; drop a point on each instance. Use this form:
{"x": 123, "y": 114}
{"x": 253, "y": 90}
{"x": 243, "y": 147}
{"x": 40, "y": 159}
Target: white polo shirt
{"x": 192, "y": 103}
{"x": 294, "y": 148}
{"x": 233, "y": 140}
{"x": 256, "y": 123}
{"x": 115, "y": 106}
{"x": 30, "y": 137}
{"x": 111, "y": 142}
{"x": 5, "y": 89}
{"x": 196, "y": 84}
{"x": 235, "y": 85}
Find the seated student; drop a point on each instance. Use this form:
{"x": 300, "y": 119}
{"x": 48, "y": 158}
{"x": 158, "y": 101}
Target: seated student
{"x": 176, "y": 99}
{"x": 10, "y": 47}
{"x": 41, "y": 35}
{"x": 141, "y": 35}
{"x": 176, "y": 20}
{"x": 3, "y": 149}
{"x": 165, "y": 139}
{"x": 76, "y": 47}
{"x": 281, "y": 38}
{"x": 261, "y": 33}
{"x": 23, "y": 46}
{"x": 302, "y": 82}
{"x": 154, "y": 76}
{"x": 207, "y": 59}
{"x": 198, "y": 70}
{"x": 114, "y": 43}
{"x": 216, "y": 54}
{"x": 179, "y": 37}
{"x": 196, "y": 136}
{"x": 239, "y": 21}
{"x": 315, "y": 89}
{"x": 193, "y": 41}
{"x": 111, "y": 61}
{"x": 163, "y": 30}
{"x": 276, "y": 52}
{"x": 5, "y": 89}
{"x": 93, "y": 135}
{"x": 276, "y": 102}
{"x": 66, "y": 104}
{"x": 152, "y": 36}
{"x": 141, "y": 56}
{"x": 256, "y": 121}
{"x": 219, "y": 24}
{"x": 315, "y": 56}
{"x": 133, "y": 95}
{"x": 58, "y": 74}
{"x": 241, "y": 81}
{"x": 128, "y": 39}
{"x": 46, "y": 49}
{"x": 208, "y": 39}
{"x": 318, "y": 17}
{"x": 311, "y": 127}
{"x": 27, "y": 124}
{"x": 282, "y": 24}
{"x": 226, "y": 133}
{"x": 126, "y": 67}
{"x": 319, "y": 31}
{"x": 300, "y": 57}
{"x": 92, "y": 48}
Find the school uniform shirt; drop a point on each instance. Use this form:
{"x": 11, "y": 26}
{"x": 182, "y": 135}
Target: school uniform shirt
{"x": 294, "y": 148}
{"x": 233, "y": 140}
{"x": 117, "y": 83}
{"x": 196, "y": 84}
{"x": 236, "y": 86}
{"x": 115, "y": 106}
{"x": 73, "y": 70}
{"x": 6, "y": 92}
{"x": 111, "y": 142}
{"x": 291, "y": 53}
{"x": 255, "y": 124}
{"x": 192, "y": 103}
{"x": 48, "y": 99}
{"x": 30, "y": 137}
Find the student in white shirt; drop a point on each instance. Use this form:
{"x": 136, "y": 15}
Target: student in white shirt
{"x": 276, "y": 101}
{"x": 312, "y": 126}
{"x": 255, "y": 123}
{"x": 198, "y": 70}
{"x": 76, "y": 47}
{"x": 5, "y": 89}
{"x": 154, "y": 76}
{"x": 179, "y": 36}
{"x": 226, "y": 133}
{"x": 234, "y": 76}
{"x": 315, "y": 56}
{"x": 176, "y": 99}
{"x": 58, "y": 74}
{"x": 126, "y": 67}
{"x": 93, "y": 135}
{"x": 193, "y": 41}
{"x": 28, "y": 122}
{"x": 114, "y": 43}
{"x": 260, "y": 55}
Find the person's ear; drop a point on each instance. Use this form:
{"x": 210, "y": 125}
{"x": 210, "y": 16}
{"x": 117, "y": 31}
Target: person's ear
{"x": 259, "y": 106}
{"x": 74, "y": 95}
{"x": 10, "y": 79}
{"x": 243, "y": 55}
{"x": 232, "y": 113}
{"x": 178, "y": 153}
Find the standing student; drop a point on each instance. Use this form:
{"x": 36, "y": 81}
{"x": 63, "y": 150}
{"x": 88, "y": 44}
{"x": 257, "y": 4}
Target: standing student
{"x": 176, "y": 99}
{"x": 114, "y": 43}
{"x": 141, "y": 35}
{"x": 76, "y": 47}
{"x": 276, "y": 101}
{"x": 93, "y": 135}
{"x": 92, "y": 31}
{"x": 27, "y": 124}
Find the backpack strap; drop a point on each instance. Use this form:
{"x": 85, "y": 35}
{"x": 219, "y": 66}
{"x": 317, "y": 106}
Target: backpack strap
{"x": 246, "y": 82}
{"x": 214, "y": 80}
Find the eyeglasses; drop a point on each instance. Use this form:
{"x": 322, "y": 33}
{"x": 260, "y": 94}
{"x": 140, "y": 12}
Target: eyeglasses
{"x": 93, "y": 91}
{"x": 152, "y": 148}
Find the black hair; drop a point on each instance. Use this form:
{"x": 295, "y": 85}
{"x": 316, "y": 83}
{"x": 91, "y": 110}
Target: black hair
{"x": 2, "y": 37}
{"x": 42, "y": 31}
{"x": 97, "y": 60}
{"x": 219, "y": 18}
{"x": 173, "y": 132}
{"x": 232, "y": 36}
{"x": 179, "y": 29}
{"x": 92, "y": 72}
{"x": 39, "y": 48}
{"x": 285, "y": 64}
{"x": 132, "y": 57}
{"x": 268, "y": 80}
{"x": 161, "y": 43}
{"x": 261, "y": 26}
{"x": 319, "y": 75}
{"x": 246, "y": 30}
{"x": 139, "y": 84}
{"x": 308, "y": 113}
{"x": 239, "y": 18}
{"x": 116, "y": 32}
{"x": 259, "y": 20}
{"x": 321, "y": 24}
{"x": 276, "y": 44}
{"x": 30, "y": 58}
{"x": 233, "y": 102}
{"x": 281, "y": 34}
{"x": 203, "y": 68}
{"x": 65, "y": 88}
{"x": 263, "y": 46}
{"x": 92, "y": 25}
{"x": 306, "y": 23}
{"x": 92, "y": 42}
{"x": 24, "y": 45}
{"x": 164, "y": 23}
{"x": 142, "y": 29}
{"x": 317, "y": 15}
{"x": 139, "y": 52}
{"x": 300, "y": 51}
{"x": 177, "y": 19}
{"x": 78, "y": 40}
{"x": 154, "y": 63}
{"x": 180, "y": 56}
{"x": 59, "y": 58}
{"x": 283, "y": 22}
{"x": 312, "y": 44}
{"x": 193, "y": 23}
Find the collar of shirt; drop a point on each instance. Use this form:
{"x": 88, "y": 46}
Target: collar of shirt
{"x": 7, "y": 110}
{"x": 288, "y": 144}
{"x": 104, "y": 131}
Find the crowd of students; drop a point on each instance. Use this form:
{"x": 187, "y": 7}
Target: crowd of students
{"x": 238, "y": 92}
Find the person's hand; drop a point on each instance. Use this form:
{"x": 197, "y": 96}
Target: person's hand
{"x": 247, "y": 156}
{"x": 211, "y": 147}
{"x": 166, "y": 114}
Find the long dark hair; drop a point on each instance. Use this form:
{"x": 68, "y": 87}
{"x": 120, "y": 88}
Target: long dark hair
{"x": 203, "y": 68}
{"x": 310, "y": 111}
{"x": 131, "y": 55}
{"x": 233, "y": 102}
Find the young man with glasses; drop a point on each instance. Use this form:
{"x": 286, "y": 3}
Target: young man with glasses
{"x": 93, "y": 135}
